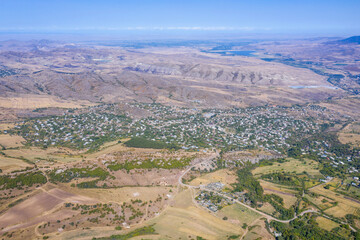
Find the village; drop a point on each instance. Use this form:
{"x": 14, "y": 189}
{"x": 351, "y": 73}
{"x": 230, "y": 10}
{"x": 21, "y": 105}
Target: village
{"x": 210, "y": 197}
{"x": 191, "y": 129}
{"x": 270, "y": 128}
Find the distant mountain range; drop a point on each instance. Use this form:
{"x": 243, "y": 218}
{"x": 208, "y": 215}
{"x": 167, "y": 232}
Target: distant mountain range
{"x": 350, "y": 40}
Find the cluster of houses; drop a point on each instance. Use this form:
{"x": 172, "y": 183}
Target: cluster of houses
{"x": 355, "y": 182}
{"x": 85, "y": 130}
{"x": 339, "y": 160}
{"x": 266, "y": 127}
{"x": 209, "y": 199}
{"x": 212, "y": 201}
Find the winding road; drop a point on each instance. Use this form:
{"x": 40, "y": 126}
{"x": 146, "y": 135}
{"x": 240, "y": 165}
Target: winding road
{"x": 267, "y": 216}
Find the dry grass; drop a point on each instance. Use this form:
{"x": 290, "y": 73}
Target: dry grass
{"x": 326, "y": 224}
{"x": 351, "y": 138}
{"x": 35, "y": 154}
{"x": 238, "y": 214}
{"x": 348, "y": 105}
{"x": 276, "y": 187}
{"x": 40, "y": 101}
{"x": 120, "y": 194}
{"x": 11, "y": 141}
{"x": 39, "y": 207}
{"x": 267, "y": 208}
{"x": 11, "y": 164}
{"x": 6, "y": 126}
{"x": 318, "y": 201}
{"x": 289, "y": 199}
{"x": 293, "y": 165}
{"x": 350, "y": 134}
{"x": 223, "y": 175}
{"x": 258, "y": 232}
{"x": 344, "y": 206}
{"x": 184, "y": 219}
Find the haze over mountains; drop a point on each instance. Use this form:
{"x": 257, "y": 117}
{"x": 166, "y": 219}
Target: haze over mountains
{"x": 180, "y": 75}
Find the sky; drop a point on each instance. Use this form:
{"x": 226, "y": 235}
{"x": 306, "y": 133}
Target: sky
{"x": 333, "y": 17}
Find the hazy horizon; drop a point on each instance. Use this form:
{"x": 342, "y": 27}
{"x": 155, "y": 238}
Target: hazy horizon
{"x": 143, "y": 19}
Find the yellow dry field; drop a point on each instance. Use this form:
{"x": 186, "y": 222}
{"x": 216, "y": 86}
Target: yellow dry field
{"x": 351, "y": 138}
{"x": 11, "y": 141}
{"x": 114, "y": 146}
{"x": 223, "y": 175}
{"x": 293, "y": 165}
{"x": 40, "y": 101}
{"x": 303, "y": 205}
{"x": 38, "y": 208}
{"x": 6, "y": 126}
{"x": 273, "y": 187}
{"x": 184, "y": 219}
{"x": 120, "y": 194}
{"x": 238, "y": 214}
{"x": 289, "y": 199}
{"x": 258, "y": 231}
{"x": 35, "y": 154}
{"x": 348, "y": 105}
{"x": 326, "y": 224}
{"x": 344, "y": 206}
{"x": 267, "y": 208}
{"x": 350, "y": 134}
{"x": 88, "y": 234}
{"x": 11, "y": 164}
{"x": 318, "y": 201}
{"x": 169, "y": 101}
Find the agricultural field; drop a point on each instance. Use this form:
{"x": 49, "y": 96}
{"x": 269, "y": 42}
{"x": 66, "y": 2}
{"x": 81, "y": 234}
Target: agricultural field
{"x": 345, "y": 205}
{"x": 180, "y": 139}
{"x": 8, "y": 141}
{"x": 40, "y": 101}
{"x": 326, "y": 224}
{"x": 291, "y": 165}
{"x": 239, "y": 215}
{"x": 44, "y": 156}
{"x": 184, "y": 219}
{"x": 350, "y": 134}
{"x": 223, "y": 175}
{"x": 8, "y": 164}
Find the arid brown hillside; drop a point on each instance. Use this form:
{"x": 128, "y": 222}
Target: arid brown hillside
{"x": 180, "y": 76}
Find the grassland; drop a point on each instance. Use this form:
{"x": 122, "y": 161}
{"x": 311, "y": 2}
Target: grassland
{"x": 239, "y": 214}
{"x": 12, "y": 164}
{"x": 273, "y": 187}
{"x": 35, "y": 154}
{"x": 11, "y": 141}
{"x": 292, "y": 165}
{"x": 6, "y": 126}
{"x": 321, "y": 202}
{"x": 289, "y": 199}
{"x": 40, "y": 101}
{"x": 119, "y": 194}
{"x": 223, "y": 175}
{"x": 183, "y": 219}
{"x": 326, "y": 224}
{"x": 344, "y": 205}
{"x": 258, "y": 231}
{"x": 350, "y": 134}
